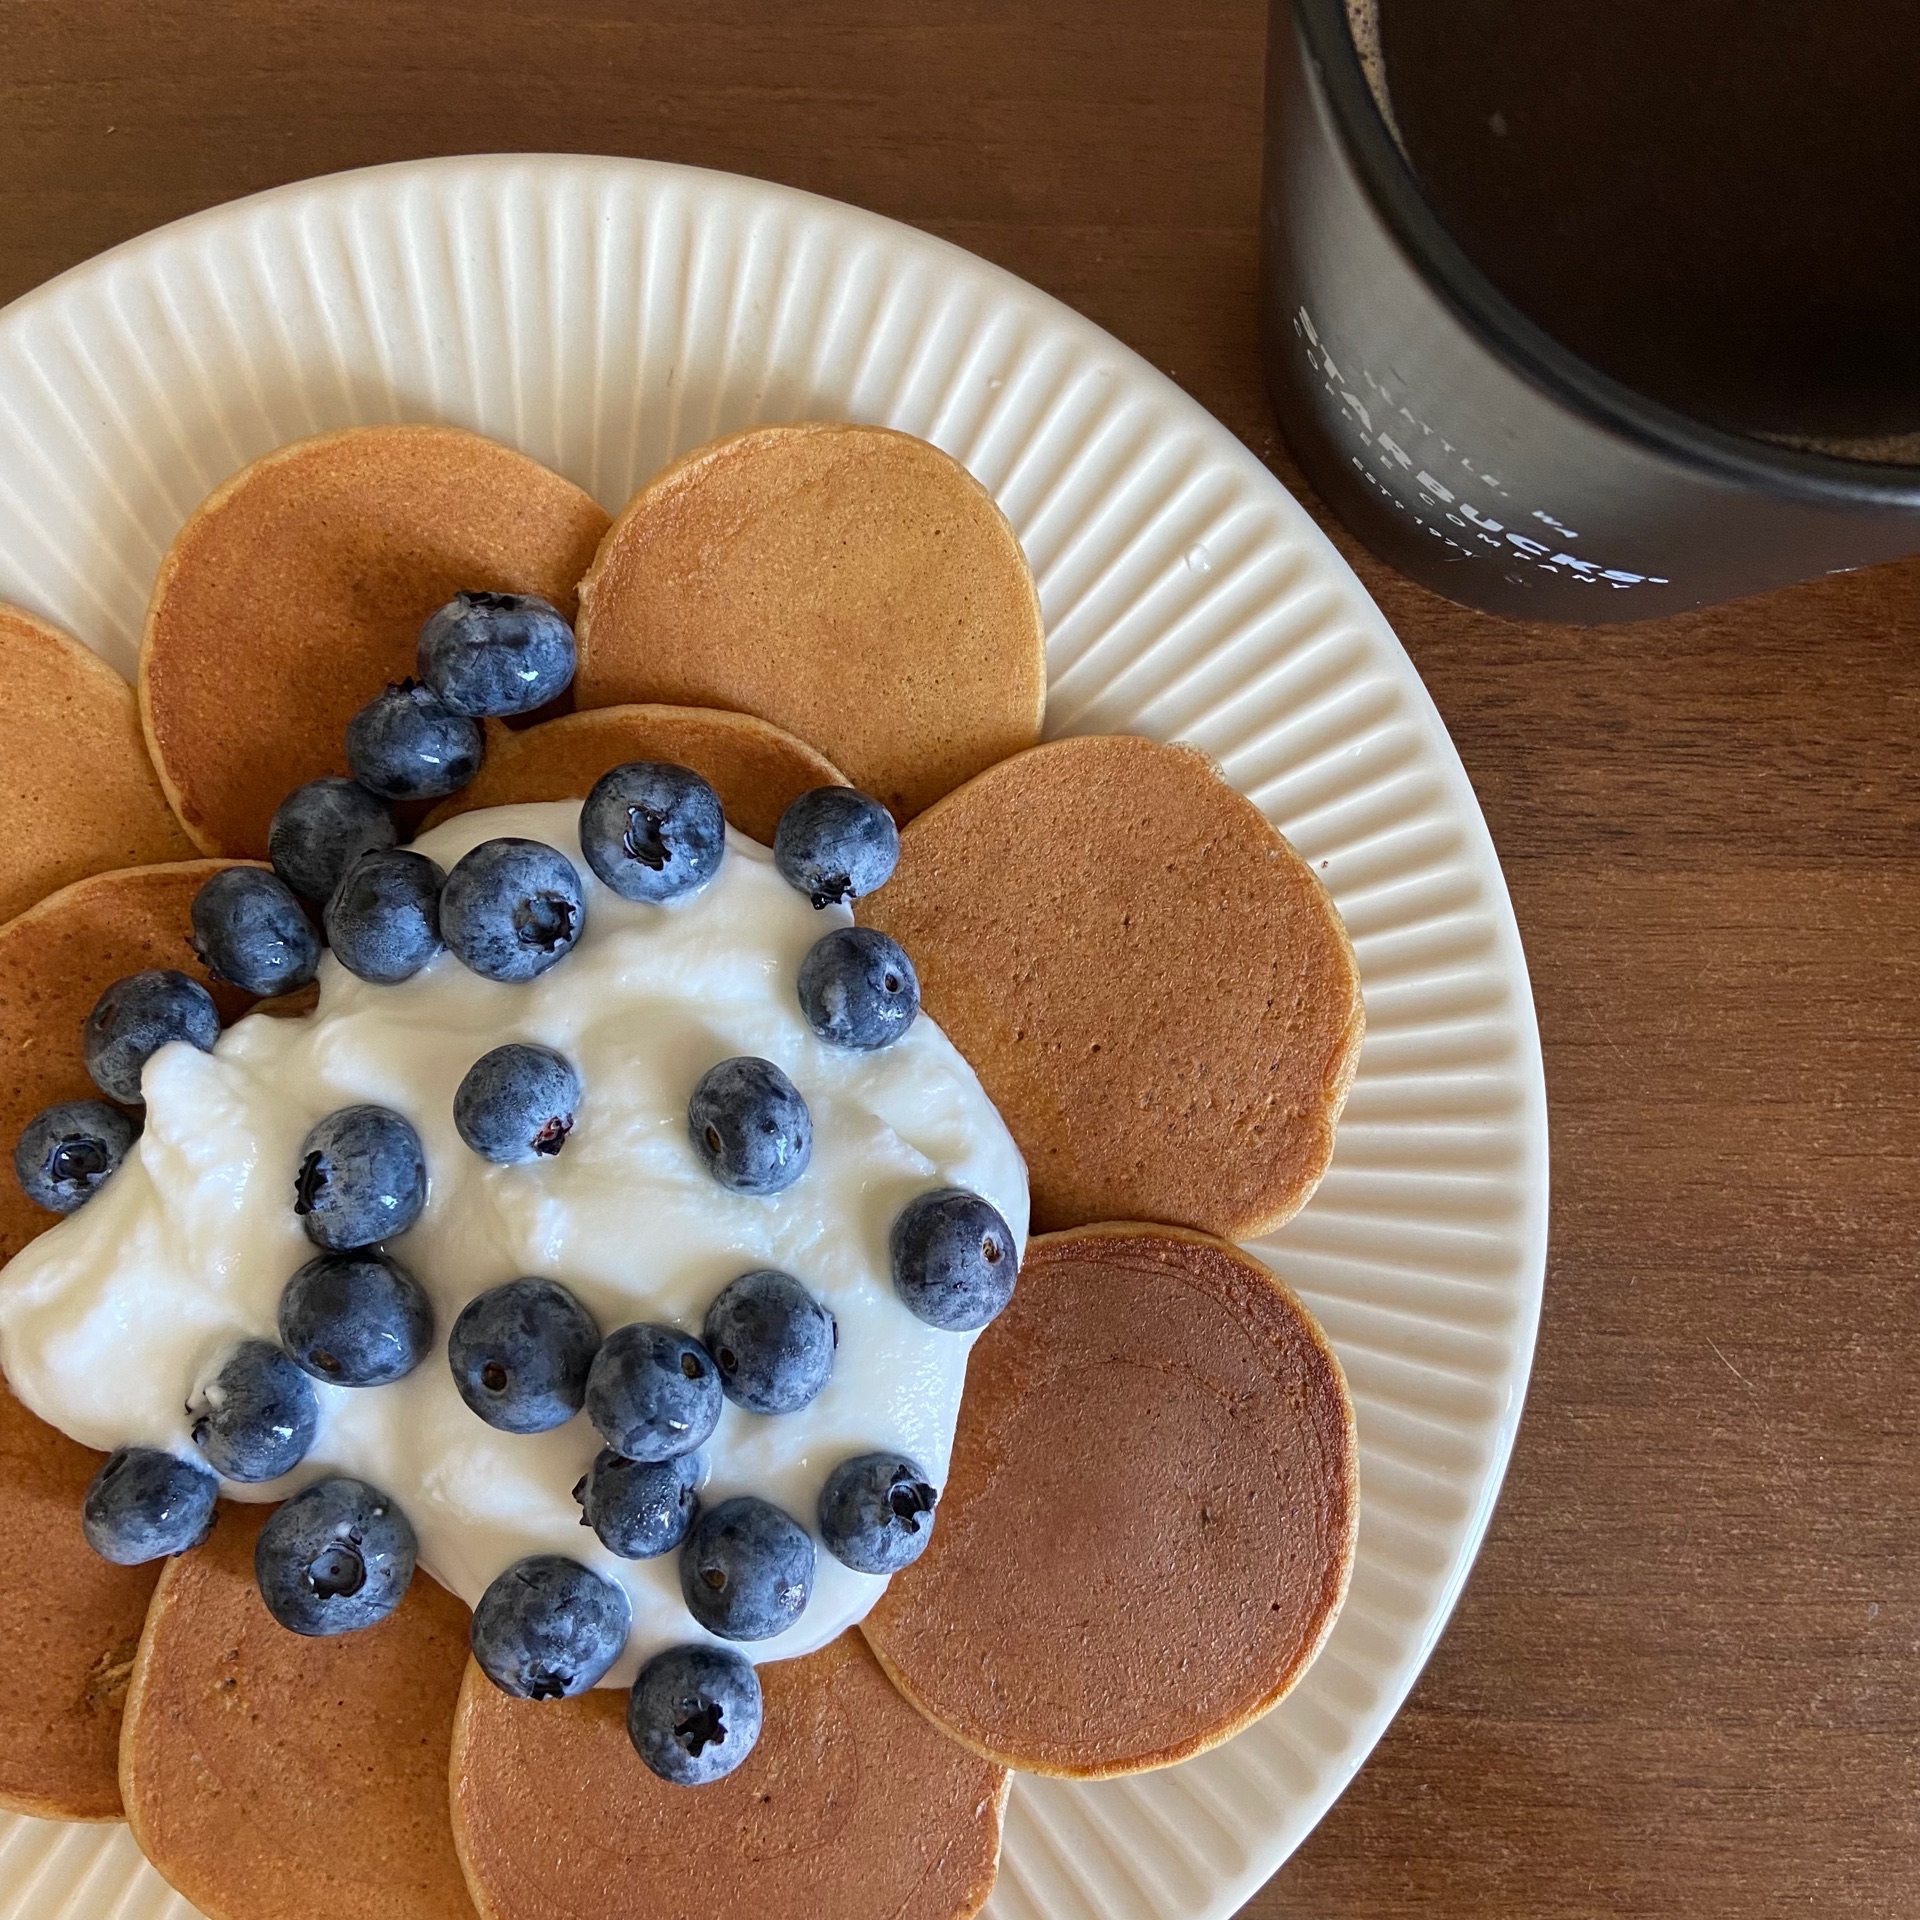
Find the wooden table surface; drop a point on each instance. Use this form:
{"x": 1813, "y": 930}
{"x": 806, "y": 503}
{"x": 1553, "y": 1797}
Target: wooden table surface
{"x": 1685, "y": 1677}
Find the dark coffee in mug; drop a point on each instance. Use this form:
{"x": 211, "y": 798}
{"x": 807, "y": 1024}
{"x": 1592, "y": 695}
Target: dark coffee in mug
{"x": 1716, "y": 202}
{"x": 1597, "y": 310}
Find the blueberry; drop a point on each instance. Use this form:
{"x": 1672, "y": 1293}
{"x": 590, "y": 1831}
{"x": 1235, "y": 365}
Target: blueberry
{"x": 836, "y": 843}
{"x": 512, "y": 908}
{"x": 362, "y": 1178}
{"x": 408, "y": 744}
{"x": 548, "y": 1628}
{"x": 249, "y": 929}
{"x": 639, "y": 1508}
{"x": 67, "y": 1152}
{"x": 321, "y": 829}
{"x": 356, "y": 1319}
{"x": 858, "y": 988}
{"x": 876, "y": 1512}
{"x": 517, "y": 1103}
{"x": 750, "y": 1126}
{"x": 694, "y": 1714}
{"x": 953, "y": 1259}
{"x": 653, "y": 831}
{"x": 772, "y": 1341}
{"x": 334, "y": 1558}
{"x": 520, "y": 1355}
{"x": 254, "y": 1419}
{"x": 144, "y": 1504}
{"x": 383, "y": 919}
{"x": 138, "y": 1016}
{"x": 746, "y": 1570}
{"x": 493, "y": 653}
{"x": 653, "y": 1393}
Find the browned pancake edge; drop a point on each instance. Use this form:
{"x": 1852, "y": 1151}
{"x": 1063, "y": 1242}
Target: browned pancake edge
{"x": 851, "y": 1805}
{"x": 69, "y": 1624}
{"x": 1156, "y": 991}
{"x": 274, "y": 1777}
{"x": 297, "y": 591}
{"x": 851, "y": 584}
{"x": 1149, "y": 1524}
{"x": 77, "y": 790}
{"x": 56, "y": 960}
{"x": 757, "y": 769}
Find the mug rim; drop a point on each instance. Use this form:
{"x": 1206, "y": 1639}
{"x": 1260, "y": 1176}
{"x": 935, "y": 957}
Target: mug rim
{"x": 1389, "y": 183}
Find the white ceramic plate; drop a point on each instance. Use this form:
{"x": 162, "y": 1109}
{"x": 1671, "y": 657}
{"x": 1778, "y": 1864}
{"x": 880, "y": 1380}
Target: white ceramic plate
{"x": 606, "y": 315}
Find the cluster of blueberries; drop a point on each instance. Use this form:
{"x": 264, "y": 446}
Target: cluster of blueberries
{"x": 526, "y": 1356}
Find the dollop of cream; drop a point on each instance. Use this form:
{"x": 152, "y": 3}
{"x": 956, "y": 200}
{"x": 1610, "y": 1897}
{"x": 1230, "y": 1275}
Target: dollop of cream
{"x": 110, "y": 1320}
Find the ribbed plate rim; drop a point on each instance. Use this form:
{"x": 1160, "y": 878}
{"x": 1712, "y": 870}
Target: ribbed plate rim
{"x": 1174, "y": 409}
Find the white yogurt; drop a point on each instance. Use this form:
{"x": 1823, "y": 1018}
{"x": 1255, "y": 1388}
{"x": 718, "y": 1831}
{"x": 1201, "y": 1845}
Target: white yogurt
{"x": 109, "y": 1321}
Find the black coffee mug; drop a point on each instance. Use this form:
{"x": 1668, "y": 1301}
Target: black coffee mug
{"x": 1466, "y": 446}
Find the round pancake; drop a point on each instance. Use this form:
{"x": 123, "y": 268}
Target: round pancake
{"x": 69, "y": 1622}
{"x": 851, "y": 1805}
{"x": 297, "y": 590}
{"x": 56, "y": 960}
{"x": 1154, "y": 988}
{"x": 272, "y": 1777}
{"x": 1149, "y": 1522}
{"x": 77, "y": 790}
{"x": 756, "y": 768}
{"x": 853, "y": 585}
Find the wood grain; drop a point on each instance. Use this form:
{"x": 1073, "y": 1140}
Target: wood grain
{"x": 1685, "y": 1679}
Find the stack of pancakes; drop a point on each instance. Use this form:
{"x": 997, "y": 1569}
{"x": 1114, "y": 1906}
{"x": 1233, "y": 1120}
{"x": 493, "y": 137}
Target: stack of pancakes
{"x": 1149, "y": 1521}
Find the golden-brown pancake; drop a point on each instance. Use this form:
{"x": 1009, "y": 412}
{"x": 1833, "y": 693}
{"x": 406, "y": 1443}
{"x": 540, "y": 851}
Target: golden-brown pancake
{"x": 77, "y": 790}
{"x": 850, "y": 1807}
{"x": 855, "y": 586}
{"x": 755, "y": 767}
{"x": 56, "y": 960}
{"x": 1149, "y": 1522}
{"x": 69, "y": 1622}
{"x": 297, "y": 590}
{"x": 1154, "y": 988}
{"x": 273, "y": 1777}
